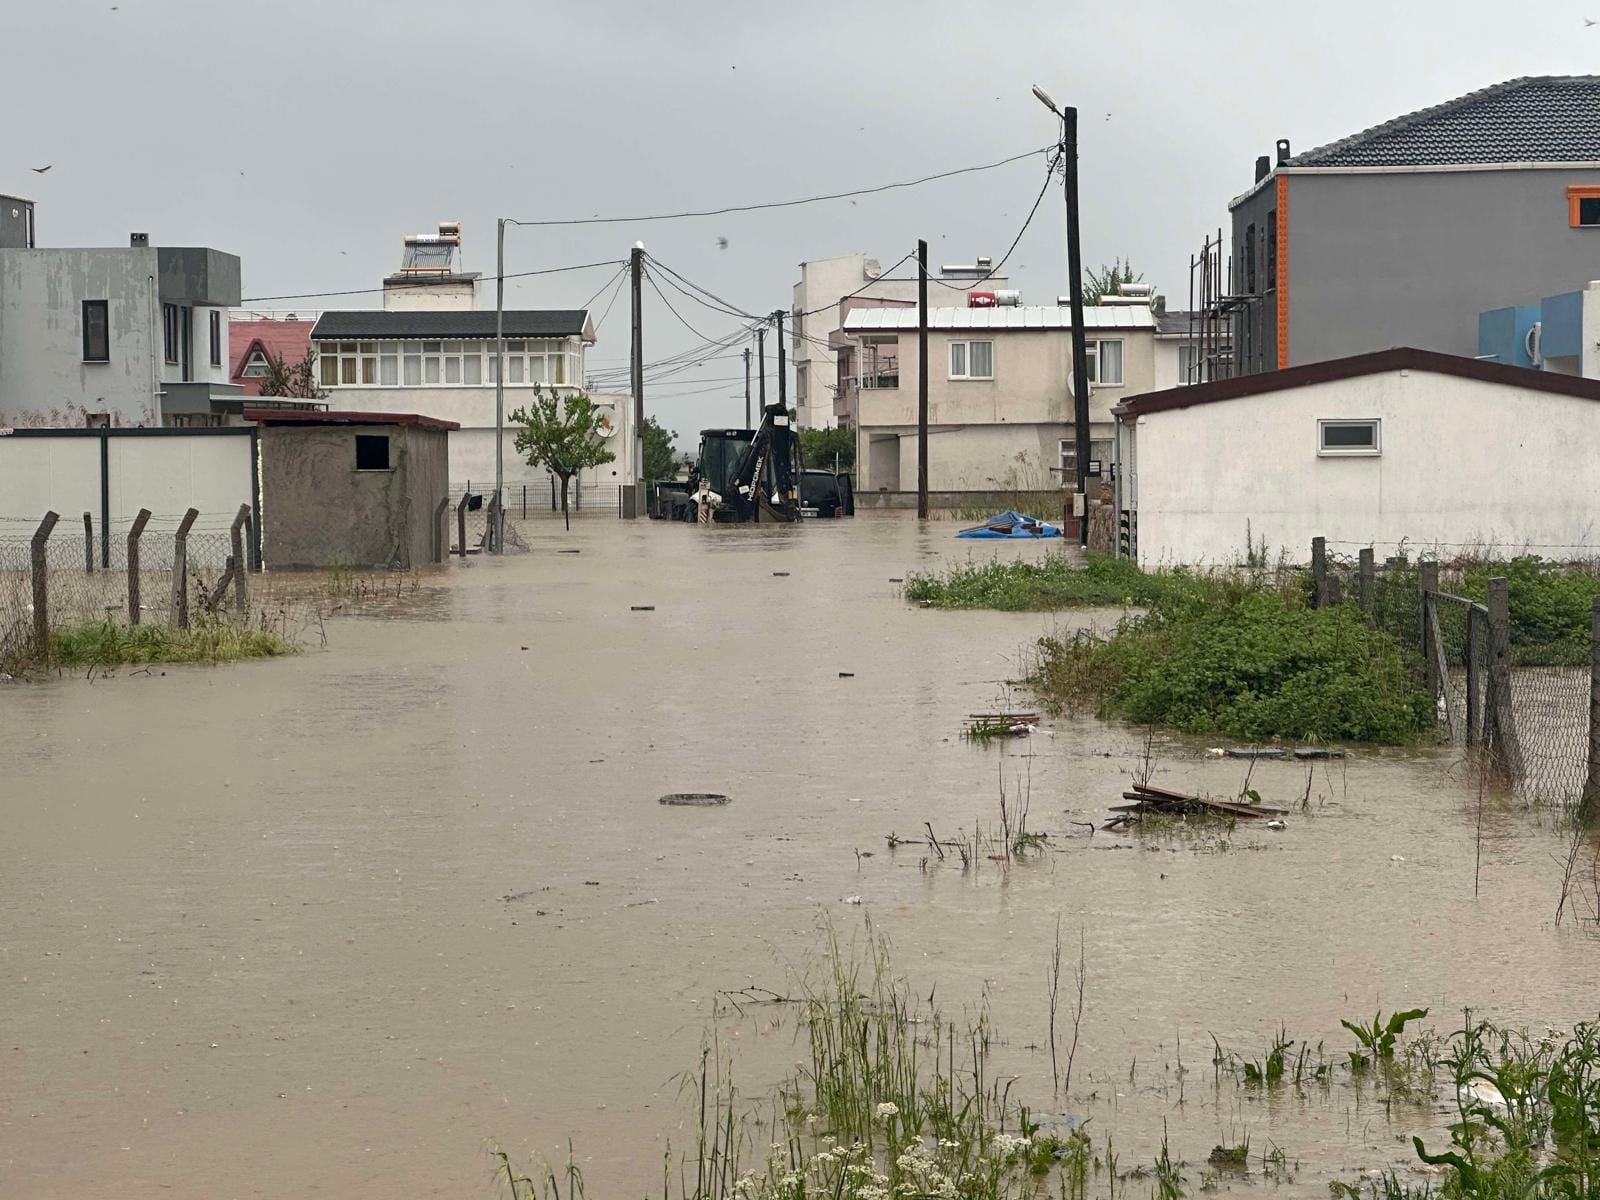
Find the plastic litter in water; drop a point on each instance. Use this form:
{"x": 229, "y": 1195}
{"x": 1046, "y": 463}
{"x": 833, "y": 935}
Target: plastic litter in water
{"x": 642, "y": 607}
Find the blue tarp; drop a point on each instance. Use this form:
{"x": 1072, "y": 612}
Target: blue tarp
{"x": 1012, "y": 524}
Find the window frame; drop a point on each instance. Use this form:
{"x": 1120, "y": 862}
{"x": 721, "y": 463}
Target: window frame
{"x": 966, "y": 373}
{"x": 169, "y": 334}
{"x": 104, "y": 309}
{"x": 1096, "y": 357}
{"x": 550, "y": 362}
{"x": 249, "y": 370}
{"x": 1576, "y": 194}
{"x": 370, "y": 439}
{"x": 215, "y": 324}
{"x": 1375, "y": 450}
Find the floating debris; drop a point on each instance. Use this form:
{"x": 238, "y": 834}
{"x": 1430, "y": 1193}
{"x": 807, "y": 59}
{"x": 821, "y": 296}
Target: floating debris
{"x": 1306, "y": 752}
{"x": 694, "y": 799}
{"x": 780, "y": 574}
{"x": 847, "y": 674}
{"x": 1148, "y": 799}
{"x": 1277, "y": 824}
{"x": 983, "y": 726}
{"x": 643, "y": 607}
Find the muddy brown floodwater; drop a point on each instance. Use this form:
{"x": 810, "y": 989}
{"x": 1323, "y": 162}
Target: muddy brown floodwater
{"x": 335, "y": 925}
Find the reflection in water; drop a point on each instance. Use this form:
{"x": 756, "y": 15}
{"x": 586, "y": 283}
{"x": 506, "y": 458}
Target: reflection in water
{"x": 334, "y": 923}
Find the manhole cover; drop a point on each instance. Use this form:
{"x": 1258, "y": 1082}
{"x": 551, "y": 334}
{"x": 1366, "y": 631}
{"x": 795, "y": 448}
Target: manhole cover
{"x": 694, "y": 799}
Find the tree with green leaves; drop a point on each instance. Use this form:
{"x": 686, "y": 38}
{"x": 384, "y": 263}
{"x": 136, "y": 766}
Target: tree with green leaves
{"x": 297, "y": 381}
{"x": 1107, "y": 280}
{"x": 819, "y": 446}
{"x": 660, "y": 460}
{"x": 561, "y": 434}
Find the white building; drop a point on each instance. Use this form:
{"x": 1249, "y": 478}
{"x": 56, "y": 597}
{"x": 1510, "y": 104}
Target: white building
{"x": 1000, "y": 406}
{"x": 112, "y": 336}
{"x": 819, "y": 310}
{"x": 1398, "y": 449}
{"x": 432, "y": 351}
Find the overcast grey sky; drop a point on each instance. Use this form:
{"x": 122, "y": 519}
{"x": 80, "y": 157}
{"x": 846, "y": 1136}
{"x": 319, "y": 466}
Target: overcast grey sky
{"x": 307, "y": 136}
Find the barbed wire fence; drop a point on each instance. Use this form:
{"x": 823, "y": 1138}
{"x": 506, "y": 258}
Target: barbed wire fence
{"x": 1521, "y": 702}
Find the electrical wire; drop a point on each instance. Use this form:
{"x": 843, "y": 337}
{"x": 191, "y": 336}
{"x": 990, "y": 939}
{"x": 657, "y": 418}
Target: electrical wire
{"x": 968, "y": 285}
{"x": 617, "y": 278}
{"x": 738, "y": 208}
{"x": 610, "y": 262}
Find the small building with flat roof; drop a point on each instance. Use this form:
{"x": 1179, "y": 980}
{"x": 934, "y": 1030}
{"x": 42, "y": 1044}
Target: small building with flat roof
{"x": 356, "y": 489}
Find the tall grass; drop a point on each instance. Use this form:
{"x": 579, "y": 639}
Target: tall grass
{"x": 891, "y": 1098}
{"x": 108, "y": 643}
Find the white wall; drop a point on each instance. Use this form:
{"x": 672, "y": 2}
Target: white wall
{"x": 40, "y": 475}
{"x": 1464, "y": 465}
{"x": 1166, "y": 373}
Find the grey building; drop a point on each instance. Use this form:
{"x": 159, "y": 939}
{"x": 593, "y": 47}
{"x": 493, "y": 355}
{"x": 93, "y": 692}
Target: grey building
{"x": 352, "y": 489}
{"x": 121, "y": 336}
{"x": 1402, "y": 234}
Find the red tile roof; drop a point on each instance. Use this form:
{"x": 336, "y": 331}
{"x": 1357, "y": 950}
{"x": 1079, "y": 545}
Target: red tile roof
{"x": 288, "y": 340}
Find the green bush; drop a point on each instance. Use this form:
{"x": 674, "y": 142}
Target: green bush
{"x": 1249, "y": 663}
{"x": 1549, "y": 606}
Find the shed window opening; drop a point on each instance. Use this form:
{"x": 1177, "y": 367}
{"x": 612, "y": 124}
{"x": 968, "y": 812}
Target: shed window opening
{"x": 372, "y": 452}
{"x": 96, "y": 331}
{"x": 1347, "y": 437}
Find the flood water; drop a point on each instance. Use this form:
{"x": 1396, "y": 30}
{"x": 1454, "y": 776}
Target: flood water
{"x": 257, "y": 940}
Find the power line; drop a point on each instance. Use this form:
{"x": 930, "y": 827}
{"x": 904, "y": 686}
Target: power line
{"x": 737, "y": 208}
{"x": 1049, "y": 176}
{"x": 610, "y": 262}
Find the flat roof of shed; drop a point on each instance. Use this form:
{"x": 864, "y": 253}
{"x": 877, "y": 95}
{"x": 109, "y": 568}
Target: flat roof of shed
{"x": 284, "y": 416}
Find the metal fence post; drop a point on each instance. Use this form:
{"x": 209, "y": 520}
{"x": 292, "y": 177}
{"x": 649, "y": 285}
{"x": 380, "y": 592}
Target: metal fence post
{"x": 1503, "y": 742}
{"x": 1428, "y": 587}
{"x": 40, "y": 569}
{"x": 88, "y": 544}
{"x": 1590, "y": 803}
{"x": 1319, "y": 571}
{"x": 180, "y": 569}
{"x": 441, "y": 529}
{"x": 236, "y": 538}
{"x": 461, "y": 526}
{"x": 524, "y": 502}
{"x": 1475, "y": 618}
{"x": 1369, "y": 585}
{"x": 552, "y": 493}
{"x": 134, "y": 531}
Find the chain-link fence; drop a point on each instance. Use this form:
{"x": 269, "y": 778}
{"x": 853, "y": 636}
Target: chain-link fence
{"x": 164, "y": 571}
{"x": 1512, "y": 664}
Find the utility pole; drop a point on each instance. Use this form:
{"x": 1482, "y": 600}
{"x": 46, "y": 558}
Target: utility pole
{"x": 1080, "y": 349}
{"x": 761, "y": 358}
{"x": 637, "y": 264}
{"x": 922, "y": 379}
{"x": 783, "y": 389}
{"x": 747, "y": 387}
{"x": 497, "y": 532}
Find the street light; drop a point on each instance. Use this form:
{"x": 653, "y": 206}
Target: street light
{"x": 1080, "y": 353}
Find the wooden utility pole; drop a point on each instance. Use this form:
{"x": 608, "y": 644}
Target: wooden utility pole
{"x": 636, "y": 261}
{"x": 922, "y": 379}
{"x": 747, "y": 387}
{"x": 783, "y": 389}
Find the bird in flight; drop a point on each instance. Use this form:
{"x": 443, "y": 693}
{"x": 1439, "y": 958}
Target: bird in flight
{"x": 1587, "y": 23}
{"x": 42, "y": 170}
{"x": 722, "y": 243}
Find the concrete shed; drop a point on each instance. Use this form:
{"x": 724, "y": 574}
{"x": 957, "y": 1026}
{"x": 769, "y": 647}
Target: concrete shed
{"x": 1402, "y": 450}
{"x": 351, "y": 488}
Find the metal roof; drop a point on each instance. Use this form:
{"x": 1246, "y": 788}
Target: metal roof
{"x": 1541, "y": 118}
{"x": 522, "y": 323}
{"x": 1032, "y": 316}
{"x": 284, "y": 416}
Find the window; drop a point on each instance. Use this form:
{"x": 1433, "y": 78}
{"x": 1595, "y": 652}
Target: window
{"x": 971, "y": 360}
{"x": 1272, "y": 249}
{"x": 1583, "y": 206}
{"x": 1191, "y": 365}
{"x": 880, "y": 361}
{"x": 1347, "y": 437}
{"x": 447, "y": 363}
{"x": 169, "y": 332}
{"x": 96, "y": 331}
{"x": 1105, "y": 361}
{"x": 216, "y": 338}
{"x": 1249, "y": 257}
{"x": 372, "y": 452}
{"x": 255, "y": 367}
